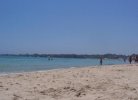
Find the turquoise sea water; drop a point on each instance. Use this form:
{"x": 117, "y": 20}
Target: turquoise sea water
{"x": 24, "y": 64}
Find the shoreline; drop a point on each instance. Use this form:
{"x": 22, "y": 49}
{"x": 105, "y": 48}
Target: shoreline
{"x": 108, "y": 82}
{"x": 39, "y": 71}
{"x": 45, "y": 70}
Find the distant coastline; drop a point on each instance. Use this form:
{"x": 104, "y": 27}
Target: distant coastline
{"x": 94, "y": 56}
{"x": 36, "y": 62}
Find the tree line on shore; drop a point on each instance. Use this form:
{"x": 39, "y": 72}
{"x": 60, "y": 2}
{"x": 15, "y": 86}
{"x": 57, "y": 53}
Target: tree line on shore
{"x": 96, "y": 56}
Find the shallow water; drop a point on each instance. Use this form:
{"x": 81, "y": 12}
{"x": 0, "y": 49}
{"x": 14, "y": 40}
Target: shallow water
{"x": 24, "y": 64}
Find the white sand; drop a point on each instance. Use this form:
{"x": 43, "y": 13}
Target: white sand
{"x": 115, "y": 82}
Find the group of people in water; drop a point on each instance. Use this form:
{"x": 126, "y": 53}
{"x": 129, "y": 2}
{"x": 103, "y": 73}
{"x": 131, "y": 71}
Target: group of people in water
{"x": 130, "y": 59}
{"x": 133, "y": 58}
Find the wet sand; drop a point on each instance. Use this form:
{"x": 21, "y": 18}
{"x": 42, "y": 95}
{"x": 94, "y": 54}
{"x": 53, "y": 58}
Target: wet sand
{"x": 112, "y": 82}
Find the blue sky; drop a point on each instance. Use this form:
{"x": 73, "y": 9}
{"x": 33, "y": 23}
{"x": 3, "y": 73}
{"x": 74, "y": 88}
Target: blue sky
{"x": 69, "y": 26}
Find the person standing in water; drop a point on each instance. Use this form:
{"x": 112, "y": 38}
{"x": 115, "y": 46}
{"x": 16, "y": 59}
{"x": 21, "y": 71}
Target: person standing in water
{"x": 136, "y": 59}
{"x": 101, "y": 61}
{"x": 124, "y": 59}
{"x": 130, "y": 59}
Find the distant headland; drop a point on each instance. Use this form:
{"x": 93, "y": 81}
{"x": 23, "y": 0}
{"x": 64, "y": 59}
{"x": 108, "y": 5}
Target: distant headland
{"x": 95, "y": 56}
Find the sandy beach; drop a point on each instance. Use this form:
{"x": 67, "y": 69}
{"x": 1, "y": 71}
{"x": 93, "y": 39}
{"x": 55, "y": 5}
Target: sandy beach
{"x": 112, "y": 82}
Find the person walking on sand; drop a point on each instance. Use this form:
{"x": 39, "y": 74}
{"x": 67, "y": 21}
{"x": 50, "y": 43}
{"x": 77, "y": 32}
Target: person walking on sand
{"x": 101, "y": 61}
{"x": 130, "y": 59}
